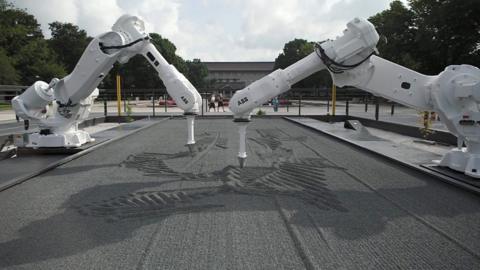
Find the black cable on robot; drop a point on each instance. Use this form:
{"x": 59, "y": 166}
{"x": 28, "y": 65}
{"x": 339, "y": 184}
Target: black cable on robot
{"x": 333, "y": 66}
{"x": 123, "y": 46}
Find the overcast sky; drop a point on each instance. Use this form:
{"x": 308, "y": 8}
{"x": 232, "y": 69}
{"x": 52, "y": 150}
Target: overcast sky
{"x": 214, "y": 30}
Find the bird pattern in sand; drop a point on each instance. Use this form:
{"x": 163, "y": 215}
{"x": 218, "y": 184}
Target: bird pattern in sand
{"x": 301, "y": 178}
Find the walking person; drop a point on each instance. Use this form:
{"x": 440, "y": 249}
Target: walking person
{"x": 211, "y": 103}
{"x": 275, "y": 103}
{"x": 220, "y": 103}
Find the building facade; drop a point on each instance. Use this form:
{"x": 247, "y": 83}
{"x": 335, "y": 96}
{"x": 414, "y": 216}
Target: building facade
{"x": 227, "y": 77}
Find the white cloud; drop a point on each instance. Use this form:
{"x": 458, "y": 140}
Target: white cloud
{"x": 64, "y": 11}
{"x": 97, "y": 16}
{"x": 235, "y": 30}
{"x": 160, "y": 16}
{"x": 270, "y": 26}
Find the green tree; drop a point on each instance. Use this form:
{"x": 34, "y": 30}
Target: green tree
{"x": 36, "y": 61}
{"x": 18, "y": 28}
{"x": 8, "y": 74}
{"x": 448, "y": 33}
{"x": 138, "y": 73}
{"x": 23, "y": 44}
{"x": 4, "y": 5}
{"x": 69, "y": 42}
{"x": 168, "y": 51}
{"x": 197, "y": 71}
{"x": 396, "y": 27}
{"x": 431, "y": 34}
{"x": 25, "y": 56}
{"x": 295, "y": 50}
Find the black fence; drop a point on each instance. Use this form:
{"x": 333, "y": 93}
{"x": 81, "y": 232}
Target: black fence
{"x": 132, "y": 94}
{"x": 346, "y": 93}
{"x": 7, "y": 92}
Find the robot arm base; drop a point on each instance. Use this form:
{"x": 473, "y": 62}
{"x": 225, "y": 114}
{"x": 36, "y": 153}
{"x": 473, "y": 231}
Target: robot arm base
{"x": 72, "y": 139}
{"x": 33, "y": 102}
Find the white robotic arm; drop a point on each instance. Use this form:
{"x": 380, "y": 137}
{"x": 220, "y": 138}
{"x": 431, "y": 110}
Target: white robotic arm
{"x": 73, "y": 95}
{"x": 454, "y": 93}
{"x": 178, "y": 87}
{"x": 355, "y": 46}
{"x": 352, "y": 49}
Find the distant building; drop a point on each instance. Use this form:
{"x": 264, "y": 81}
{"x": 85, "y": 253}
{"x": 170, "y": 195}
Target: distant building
{"x": 227, "y": 77}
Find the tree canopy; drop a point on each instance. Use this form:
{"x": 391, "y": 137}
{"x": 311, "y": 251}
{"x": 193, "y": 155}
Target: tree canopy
{"x": 397, "y": 35}
{"x": 430, "y": 35}
{"x": 197, "y": 71}
{"x": 8, "y": 74}
{"x": 427, "y": 36}
{"x": 68, "y": 41}
{"x": 295, "y": 50}
{"x": 138, "y": 73}
{"x": 26, "y": 56}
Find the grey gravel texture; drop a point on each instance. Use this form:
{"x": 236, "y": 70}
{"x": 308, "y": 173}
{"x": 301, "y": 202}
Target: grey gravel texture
{"x": 304, "y": 201}
{"x": 400, "y": 148}
{"x": 29, "y": 161}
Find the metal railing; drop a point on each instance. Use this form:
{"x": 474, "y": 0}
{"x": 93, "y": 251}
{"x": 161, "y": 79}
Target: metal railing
{"x": 292, "y": 101}
{"x": 7, "y": 92}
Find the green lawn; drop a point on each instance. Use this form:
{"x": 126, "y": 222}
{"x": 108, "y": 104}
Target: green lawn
{"x": 5, "y": 106}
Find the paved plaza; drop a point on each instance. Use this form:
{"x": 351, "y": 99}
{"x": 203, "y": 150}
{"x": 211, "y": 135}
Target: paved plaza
{"x": 304, "y": 201}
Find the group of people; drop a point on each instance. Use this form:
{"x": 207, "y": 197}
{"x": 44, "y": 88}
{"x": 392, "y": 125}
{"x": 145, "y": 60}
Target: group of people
{"x": 219, "y": 99}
